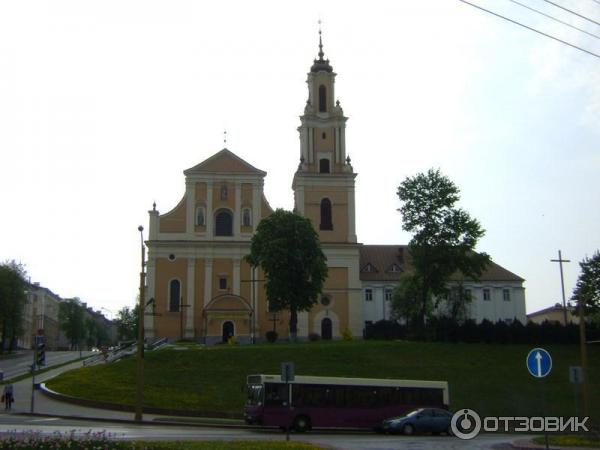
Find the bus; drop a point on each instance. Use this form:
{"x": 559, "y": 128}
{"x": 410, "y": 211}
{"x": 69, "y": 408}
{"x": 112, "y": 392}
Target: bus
{"x": 335, "y": 402}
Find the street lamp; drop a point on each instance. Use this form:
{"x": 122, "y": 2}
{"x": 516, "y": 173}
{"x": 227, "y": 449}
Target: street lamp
{"x": 140, "y": 344}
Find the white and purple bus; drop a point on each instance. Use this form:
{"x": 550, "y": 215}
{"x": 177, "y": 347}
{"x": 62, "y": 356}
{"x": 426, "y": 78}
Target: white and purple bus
{"x": 334, "y": 402}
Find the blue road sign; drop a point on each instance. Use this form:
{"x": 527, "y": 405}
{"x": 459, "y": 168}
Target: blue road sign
{"x": 539, "y": 362}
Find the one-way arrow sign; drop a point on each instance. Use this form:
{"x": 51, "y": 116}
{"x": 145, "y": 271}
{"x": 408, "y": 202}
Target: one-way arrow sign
{"x": 539, "y": 362}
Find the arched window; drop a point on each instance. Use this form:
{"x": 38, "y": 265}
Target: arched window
{"x": 224, "y": 223}
{"x": 326, "y": 223}
{"x": 246, "y": 217}
{"x": 326, "y": 329}
{"x": 174, "y": 295}
{"x": 322, "y": 98}
{"x": 324, "y": 165}
{"x": 200, "y": 216}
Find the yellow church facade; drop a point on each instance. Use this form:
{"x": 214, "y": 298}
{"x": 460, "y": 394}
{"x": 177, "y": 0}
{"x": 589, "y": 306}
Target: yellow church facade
{"x": 198, "y": 285}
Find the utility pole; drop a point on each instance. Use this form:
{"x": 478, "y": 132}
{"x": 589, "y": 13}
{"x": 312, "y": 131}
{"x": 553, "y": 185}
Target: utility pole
{"x": 560, "y": 262}
{"x": 584, "y": 366}
{"x": 181, "y": 306}
{"x": 139, "y": 397}
{"x": 253, "y": 282}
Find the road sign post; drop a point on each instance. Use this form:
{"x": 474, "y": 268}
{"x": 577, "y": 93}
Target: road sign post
{"x": 576, "y": 378}
{"x": 287, "y": 375}
{"x": 539, "y": 365}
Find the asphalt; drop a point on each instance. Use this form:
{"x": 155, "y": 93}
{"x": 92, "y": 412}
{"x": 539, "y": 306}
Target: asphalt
{"x": 46, "y": 406}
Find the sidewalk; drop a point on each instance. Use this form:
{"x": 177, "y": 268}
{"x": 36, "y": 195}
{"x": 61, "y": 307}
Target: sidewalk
{"x": 45, "y": 405}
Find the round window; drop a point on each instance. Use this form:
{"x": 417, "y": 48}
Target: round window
{"x": 171, "y": 257}
{"x": 325, "y": 301}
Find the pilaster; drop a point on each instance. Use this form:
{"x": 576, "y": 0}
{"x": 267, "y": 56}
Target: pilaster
{"x": 209, "y": 210}
{"x": 208, "y": 269}
{"x": 189, "y": 313}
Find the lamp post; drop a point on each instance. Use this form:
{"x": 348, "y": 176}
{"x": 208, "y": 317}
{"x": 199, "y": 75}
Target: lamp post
{"x": 139, "y": 398}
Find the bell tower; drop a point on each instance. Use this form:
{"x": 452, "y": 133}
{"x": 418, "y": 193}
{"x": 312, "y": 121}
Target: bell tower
{"x": 324, "y": 182}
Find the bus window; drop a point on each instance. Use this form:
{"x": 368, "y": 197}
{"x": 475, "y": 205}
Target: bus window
{"x": 275, "y": 394}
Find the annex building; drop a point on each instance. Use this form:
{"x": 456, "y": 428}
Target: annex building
{"x": 201, "y": 288}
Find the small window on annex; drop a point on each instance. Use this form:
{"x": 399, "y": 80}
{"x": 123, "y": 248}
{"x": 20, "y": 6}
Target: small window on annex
{"x": 487, "y": 295}
{"x": 506, "y": 295}
{"x": 246, "y": 217}
{"x": 174, "y": 295}
{"x": 368, "y": 295}
{"x": 222, "y": 283}
{"x": 200, "y": 216}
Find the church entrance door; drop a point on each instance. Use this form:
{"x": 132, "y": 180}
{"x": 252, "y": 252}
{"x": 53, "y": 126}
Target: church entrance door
{"x": 227, "y": 330}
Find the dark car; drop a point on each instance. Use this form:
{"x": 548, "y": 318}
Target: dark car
{"x": 424, "y": 420}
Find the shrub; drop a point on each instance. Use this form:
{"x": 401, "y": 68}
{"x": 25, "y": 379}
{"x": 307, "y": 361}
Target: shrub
{"x": 271, "y": 336}
{"x": 232, "y": 340}
{"x": 346, "y": 334}
{"x": 314, "y": 336}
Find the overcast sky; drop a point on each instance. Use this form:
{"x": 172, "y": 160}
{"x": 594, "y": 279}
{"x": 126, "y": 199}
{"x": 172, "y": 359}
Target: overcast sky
{"x": 104, "y": 104}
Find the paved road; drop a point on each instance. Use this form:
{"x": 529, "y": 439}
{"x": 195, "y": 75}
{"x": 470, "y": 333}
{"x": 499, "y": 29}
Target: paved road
{"x": 21, "y": 364}
{"x": 354, "y": 441}
{"x": 84, "y": 419}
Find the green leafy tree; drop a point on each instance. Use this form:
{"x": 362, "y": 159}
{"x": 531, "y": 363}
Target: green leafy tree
{"x": 444, "y": 236}
{"x": 127, "y": 323}
{"x": 12, "y": 302}
{"x": 406, "y": 298}
{"x": 587, "y": 289}
{"x": 287, "y": 249}
{"x": 71, "y": 319}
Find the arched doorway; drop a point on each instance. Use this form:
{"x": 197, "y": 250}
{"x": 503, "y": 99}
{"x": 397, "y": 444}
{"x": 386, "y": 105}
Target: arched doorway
{"x": 326, "y": 329}
{"x": 227, "y": 330}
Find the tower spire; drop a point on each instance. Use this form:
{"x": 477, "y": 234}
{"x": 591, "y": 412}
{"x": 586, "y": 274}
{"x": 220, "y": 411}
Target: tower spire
{"x": 321, "y": 54}
{"x": 321, "y": 64}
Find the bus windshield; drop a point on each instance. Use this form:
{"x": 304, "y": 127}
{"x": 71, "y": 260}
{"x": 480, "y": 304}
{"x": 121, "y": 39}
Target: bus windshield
{"x": 255, "y": 394}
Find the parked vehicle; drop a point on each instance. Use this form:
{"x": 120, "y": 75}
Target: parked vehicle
{"x": 336, "y": 402}
{"x": 422, "y": 420}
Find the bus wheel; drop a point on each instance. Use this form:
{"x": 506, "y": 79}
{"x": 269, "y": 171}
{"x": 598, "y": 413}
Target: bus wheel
{"x": 408, "y": 429}
{"x": 301, "y": 424}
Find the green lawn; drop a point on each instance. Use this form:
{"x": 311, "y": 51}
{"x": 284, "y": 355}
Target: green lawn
{"x": 570, "y": 441}
{"x": 491, "y": 379}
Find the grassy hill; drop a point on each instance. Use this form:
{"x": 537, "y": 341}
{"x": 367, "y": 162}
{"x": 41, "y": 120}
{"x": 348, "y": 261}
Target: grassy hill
{"x": 491, "y": 379}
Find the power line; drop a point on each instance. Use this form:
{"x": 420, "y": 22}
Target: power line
{"x": 532, "y": 29}
{"x": 572, "y": 12}
{"x": 554, "y": 18}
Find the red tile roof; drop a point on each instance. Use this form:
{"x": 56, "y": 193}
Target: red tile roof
{"x": 382, "y": 257}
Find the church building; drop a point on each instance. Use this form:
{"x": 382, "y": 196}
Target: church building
{"x": 198, "y": 284}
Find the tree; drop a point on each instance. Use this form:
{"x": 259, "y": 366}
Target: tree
{"x": 12, "y": 301}
{"x": 127, "y": 323}
{"x": 444, "y": 236}
{"x": 406, "y": 298}
{"x": 287, "y": 249}
{"x": 587, "y": 289}
{"x": 71, "y": 321}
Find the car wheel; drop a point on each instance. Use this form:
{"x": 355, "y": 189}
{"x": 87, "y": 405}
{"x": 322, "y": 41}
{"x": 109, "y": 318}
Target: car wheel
{"x": 408, "y": 429}
{"x": 301, "y": 424}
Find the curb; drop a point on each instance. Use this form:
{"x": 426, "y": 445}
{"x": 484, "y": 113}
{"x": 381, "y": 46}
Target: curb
{"x": 133, "y": 422}
{"x": 131, "y": 408}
